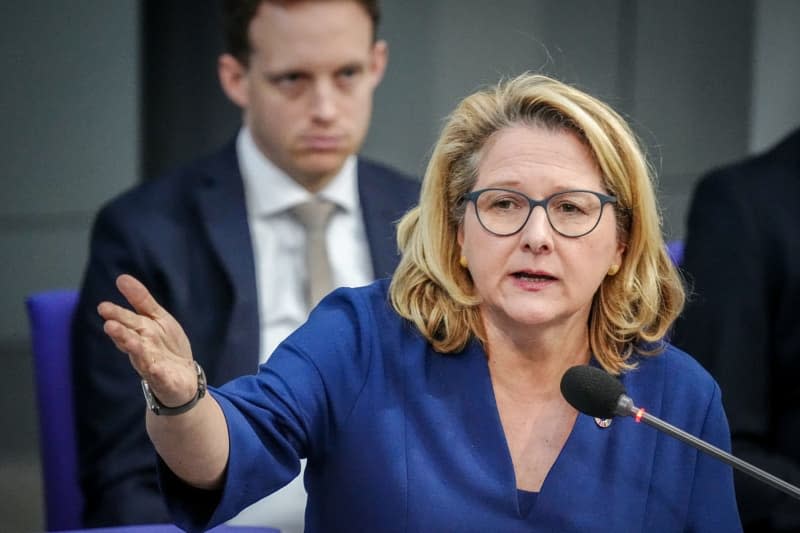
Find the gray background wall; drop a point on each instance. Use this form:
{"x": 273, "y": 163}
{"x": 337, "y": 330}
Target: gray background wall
{"x": 68, "y": 138}
{"x": 703, "y": 83}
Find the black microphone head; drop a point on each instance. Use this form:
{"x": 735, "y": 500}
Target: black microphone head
{"x": 592, "y": 391}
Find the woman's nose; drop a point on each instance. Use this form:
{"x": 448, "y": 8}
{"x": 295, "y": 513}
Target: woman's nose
{"x": 537, "y": 233}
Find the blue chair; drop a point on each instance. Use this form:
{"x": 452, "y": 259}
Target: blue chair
{"x": 675, "y": 251}
{"x": 50, "y": 314}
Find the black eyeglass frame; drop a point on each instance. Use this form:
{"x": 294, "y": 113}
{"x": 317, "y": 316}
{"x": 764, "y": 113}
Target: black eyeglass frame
{"x": 604, "y": 199}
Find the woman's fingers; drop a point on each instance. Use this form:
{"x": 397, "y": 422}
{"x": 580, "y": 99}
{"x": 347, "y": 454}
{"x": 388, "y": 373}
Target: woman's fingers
{"x": 168, "y": 331}
{"x": 126, "y": 317}
{"x": 138, "y": 336}
{"x": 139, "y": 297}
{"x": 129, "y": 342}
{"x": 154, "y": 341}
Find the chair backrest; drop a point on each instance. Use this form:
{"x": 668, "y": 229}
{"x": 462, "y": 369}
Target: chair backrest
{"x": 50, "y": 314}
{"x": 675, "y": 251}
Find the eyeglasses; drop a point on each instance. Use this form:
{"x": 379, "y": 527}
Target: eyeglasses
{"x": 505, "y": 212}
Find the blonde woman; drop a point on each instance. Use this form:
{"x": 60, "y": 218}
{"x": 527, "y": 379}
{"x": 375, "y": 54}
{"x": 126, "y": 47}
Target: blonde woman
{"x": 431, "y": 402}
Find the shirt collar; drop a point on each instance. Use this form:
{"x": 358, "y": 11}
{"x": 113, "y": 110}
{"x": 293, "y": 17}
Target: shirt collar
{"x": 263, "y": 179}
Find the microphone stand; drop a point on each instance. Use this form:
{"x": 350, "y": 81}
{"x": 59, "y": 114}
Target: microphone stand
{"x": 625, "y": 407}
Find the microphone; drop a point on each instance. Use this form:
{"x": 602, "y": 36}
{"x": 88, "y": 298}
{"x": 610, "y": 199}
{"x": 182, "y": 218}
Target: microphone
{"x": 596, "y": 393}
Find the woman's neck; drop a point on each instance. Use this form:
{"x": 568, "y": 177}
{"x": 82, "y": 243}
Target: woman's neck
{"x": 537, "y": 360}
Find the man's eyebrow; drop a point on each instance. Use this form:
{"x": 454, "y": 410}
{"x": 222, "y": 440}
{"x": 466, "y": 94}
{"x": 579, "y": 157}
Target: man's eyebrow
{"x": 352, "y": 65}
{"x": 275, "y": 75}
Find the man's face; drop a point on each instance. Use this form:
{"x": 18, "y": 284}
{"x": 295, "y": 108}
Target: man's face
{"x": 307, "y": 92}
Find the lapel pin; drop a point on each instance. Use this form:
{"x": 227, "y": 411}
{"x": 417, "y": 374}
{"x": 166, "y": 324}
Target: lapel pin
{"x": 602, "y": 422}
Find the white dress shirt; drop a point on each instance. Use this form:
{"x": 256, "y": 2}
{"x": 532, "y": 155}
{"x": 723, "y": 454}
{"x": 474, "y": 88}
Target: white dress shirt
{"x": 279, "y": 239}
{"x": 280, "y": 265}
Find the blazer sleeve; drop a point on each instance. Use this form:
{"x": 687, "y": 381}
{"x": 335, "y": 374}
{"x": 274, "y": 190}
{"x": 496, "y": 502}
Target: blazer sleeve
{"x": 292, "y": 409}
{"x": 116, "y": 459}
{"x": 727, "y": 327}
{"x": 726, "y": 322}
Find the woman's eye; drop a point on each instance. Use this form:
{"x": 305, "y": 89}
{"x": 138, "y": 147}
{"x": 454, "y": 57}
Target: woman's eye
{"x": 505, "y": 203}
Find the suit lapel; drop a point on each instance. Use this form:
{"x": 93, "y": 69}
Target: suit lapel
{"x": 381, "y": 209}
{"x": 220, "y": 202}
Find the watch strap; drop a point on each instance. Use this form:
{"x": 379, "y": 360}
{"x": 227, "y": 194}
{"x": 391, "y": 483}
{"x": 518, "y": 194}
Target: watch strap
{"x": 158, "y": 408}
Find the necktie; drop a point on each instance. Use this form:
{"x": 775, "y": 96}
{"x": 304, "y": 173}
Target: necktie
{"x": 314, "y": 216}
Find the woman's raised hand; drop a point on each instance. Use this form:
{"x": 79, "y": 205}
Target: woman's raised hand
{"x": 154, "y": 341}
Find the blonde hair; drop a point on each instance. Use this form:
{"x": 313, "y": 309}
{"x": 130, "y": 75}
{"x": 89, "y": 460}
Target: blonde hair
{"x": 631, "y": 311}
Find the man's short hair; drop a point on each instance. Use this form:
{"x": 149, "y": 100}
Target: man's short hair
{"x": 238, "y": 14}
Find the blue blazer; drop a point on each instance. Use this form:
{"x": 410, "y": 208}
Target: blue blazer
{"x": 401, "y": 438}
{"x": 186, "y": 237}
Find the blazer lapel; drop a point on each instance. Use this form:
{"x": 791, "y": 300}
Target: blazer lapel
{"x": 221, "y": 205}
{"x": 382, "y": 205}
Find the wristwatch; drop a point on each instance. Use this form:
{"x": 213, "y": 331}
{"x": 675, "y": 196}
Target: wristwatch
{"x": 158, "y": 408}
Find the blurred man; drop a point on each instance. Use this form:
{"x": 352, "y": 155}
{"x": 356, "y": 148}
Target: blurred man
{"x": 742, "y": 260}
{"x": 220, "y": 244}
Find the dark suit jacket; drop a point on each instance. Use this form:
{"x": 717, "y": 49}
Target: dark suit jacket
{"x": 186, "y": 237}
{"x": 742, "y": 259}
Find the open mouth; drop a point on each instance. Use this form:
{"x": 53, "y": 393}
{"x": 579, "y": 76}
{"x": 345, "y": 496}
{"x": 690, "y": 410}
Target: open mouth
{"x": 533, "y": 276}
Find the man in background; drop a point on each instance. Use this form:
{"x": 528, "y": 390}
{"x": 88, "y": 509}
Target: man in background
{"x": 223, "y": 244}
{"x": 742, "y": 262}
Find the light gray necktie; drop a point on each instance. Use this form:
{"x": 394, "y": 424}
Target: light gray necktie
{"x": 314, "y": 216}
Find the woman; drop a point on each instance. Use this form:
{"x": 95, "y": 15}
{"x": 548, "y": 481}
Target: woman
{"x": 433, "y": 403}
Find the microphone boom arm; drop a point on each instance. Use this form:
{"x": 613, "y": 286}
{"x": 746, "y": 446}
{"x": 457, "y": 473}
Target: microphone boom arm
{"x": 625, "y": 407}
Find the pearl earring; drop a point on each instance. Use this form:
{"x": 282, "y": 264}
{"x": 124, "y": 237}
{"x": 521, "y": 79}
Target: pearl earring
{"x": 463, "y": 261}
{"x": 613, "y": 269}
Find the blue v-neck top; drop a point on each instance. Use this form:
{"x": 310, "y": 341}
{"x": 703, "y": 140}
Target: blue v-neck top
{"x": 401, "y": 438}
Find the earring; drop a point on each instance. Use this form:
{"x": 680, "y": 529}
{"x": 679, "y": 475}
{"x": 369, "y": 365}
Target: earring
{"x": 613, "y": 269}
{"x": 463, "y": 261}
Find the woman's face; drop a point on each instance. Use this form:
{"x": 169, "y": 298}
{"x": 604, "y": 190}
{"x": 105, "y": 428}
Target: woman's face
{"x": 538, "y": 277}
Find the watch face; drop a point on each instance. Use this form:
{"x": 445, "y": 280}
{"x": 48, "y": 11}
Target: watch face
{"x": 152, "y": 403}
